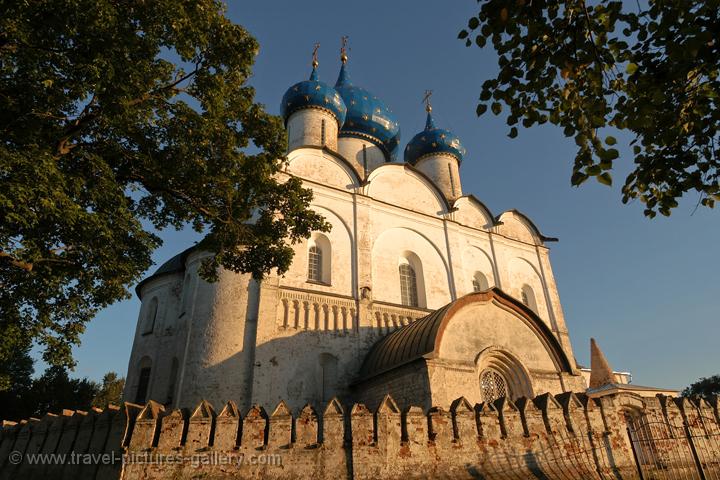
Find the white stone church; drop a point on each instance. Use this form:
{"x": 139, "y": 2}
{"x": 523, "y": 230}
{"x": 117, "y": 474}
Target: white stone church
{"x": 417, "y": 291}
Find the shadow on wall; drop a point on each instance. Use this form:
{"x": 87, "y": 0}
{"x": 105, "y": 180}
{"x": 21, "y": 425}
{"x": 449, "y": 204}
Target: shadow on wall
{"x": 307, "y": 366}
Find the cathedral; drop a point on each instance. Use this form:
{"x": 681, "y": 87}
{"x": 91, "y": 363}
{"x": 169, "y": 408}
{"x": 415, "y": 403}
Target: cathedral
{"x": 418, "y": 290}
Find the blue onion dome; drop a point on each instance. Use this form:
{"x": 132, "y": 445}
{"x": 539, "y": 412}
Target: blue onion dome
{"x": 367, "y": 116}
{"x": 313, "y": 94}
{"x": 432, "y": 141}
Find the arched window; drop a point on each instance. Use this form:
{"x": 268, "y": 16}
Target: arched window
{"x": 315, "y": 264}
{"x": 143, "y": 380}
{"x": 480, "y": 283}
{"x": 149, "y": 324}
{"x": 493, "y": 386}
{"x": 408, "y": 285}
{"x": 528, "y": 297}
{"x": 319, "y": 259}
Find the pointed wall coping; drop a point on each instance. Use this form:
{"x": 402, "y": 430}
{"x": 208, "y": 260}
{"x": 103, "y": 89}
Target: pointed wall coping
{"x": 202, "y": 411}
{"x": 388, "y": 406}
{"x": 282, "y": 410}
{"x": 256, "y": 411}
{"x": 460, "y": 405}
{"x": 334, "y": 408}
{"x": 308, "y": 411}
{"x": 152, "y": 411}
{"x": 230, "y": 410}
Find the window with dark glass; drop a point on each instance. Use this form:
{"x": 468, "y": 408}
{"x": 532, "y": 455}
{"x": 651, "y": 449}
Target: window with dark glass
{"x": 408, "y": 286}
{"x": 315, "y": 264}
{"x": 143, "y": 384}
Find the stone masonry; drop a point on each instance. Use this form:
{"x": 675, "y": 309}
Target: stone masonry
{"x": 566, "y": 436}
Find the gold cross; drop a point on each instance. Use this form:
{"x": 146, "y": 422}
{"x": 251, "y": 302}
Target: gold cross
{"x": 426, "y": 100}
{"x": 315, "y": 55}
{"x": 343, "y": 48}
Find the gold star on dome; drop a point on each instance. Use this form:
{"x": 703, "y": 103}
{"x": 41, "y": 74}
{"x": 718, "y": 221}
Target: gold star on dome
{"x": 442, "y": 136}
{"x": 327, "y": 100}
{"x": 422, "y": 138}
{"x": 295, "y": 89}
{"x": 374, "y": 129}
{"x": 365, "y": 117}
{"x": 307, "y": 98}
{"x": 434, "y": 144}
{"x": 317, "y": 87}
{"x": 352, "y": 102}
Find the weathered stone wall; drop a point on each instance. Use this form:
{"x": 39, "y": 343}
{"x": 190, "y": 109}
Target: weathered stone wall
{"x": 407, "y": 385}
{"x": 364, "y": 155}
{"x": 443, "y": 170}
{"x": 551, "y": 437}
{"x": 312, "y": 126}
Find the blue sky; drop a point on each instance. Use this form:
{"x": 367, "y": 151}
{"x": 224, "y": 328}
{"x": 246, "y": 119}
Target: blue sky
{"x": 647, "y": 290}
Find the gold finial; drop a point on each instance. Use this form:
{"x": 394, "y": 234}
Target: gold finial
{"x": 315, "y": 62}
{"x": 426, "y": 100}
{"x": 343, "y": 49}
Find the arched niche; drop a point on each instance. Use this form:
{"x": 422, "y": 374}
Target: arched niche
{"x": 396, "y": 243}
{"x": 338, "y": 263}
{"x": 320, "y": 255}
{"x": 412, "y": 280}
{"x": 475, "y": 260}
{"x": 525, "y": 282}
{"x": 497, "y": 360}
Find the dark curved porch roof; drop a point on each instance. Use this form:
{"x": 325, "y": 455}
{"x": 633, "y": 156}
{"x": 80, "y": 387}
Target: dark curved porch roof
{"x": 421, "y": 339}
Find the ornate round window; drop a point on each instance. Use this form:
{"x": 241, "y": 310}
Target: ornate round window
{"x": 493, "y": 386}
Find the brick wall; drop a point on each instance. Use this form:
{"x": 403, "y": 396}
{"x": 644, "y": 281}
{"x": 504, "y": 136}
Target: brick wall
{"x": 563, "y": 436}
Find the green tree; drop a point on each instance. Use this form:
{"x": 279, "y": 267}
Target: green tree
{"x": 16, "y": 377}
{"x": 118, "y": 118}
{"x": 55, "y": 390}
{"x": 594, "y": 66}
{"x": 110, "y": 391}
{"x": 705, "y": 387}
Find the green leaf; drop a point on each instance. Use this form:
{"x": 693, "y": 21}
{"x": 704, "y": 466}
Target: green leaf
{"x": 605, "y": 178}
{"x": 463, "y": 34}
{"x": 610, "y": 140}
{"x": 631, "y": 68}
{"x": 481, "y": 108}
{"x": 513, "y": 132}
{"x": 473, "y": 23}
{"x": 496, "y": 108}
{"x": 578, "y": 178}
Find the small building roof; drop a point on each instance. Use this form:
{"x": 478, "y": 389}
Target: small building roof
{"x": 176, "y": 264}
{"x": 421, "y": 339}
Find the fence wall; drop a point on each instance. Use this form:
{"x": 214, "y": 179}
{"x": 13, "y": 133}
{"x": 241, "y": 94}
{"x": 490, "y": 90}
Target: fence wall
{"x": 566, "y": 436}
